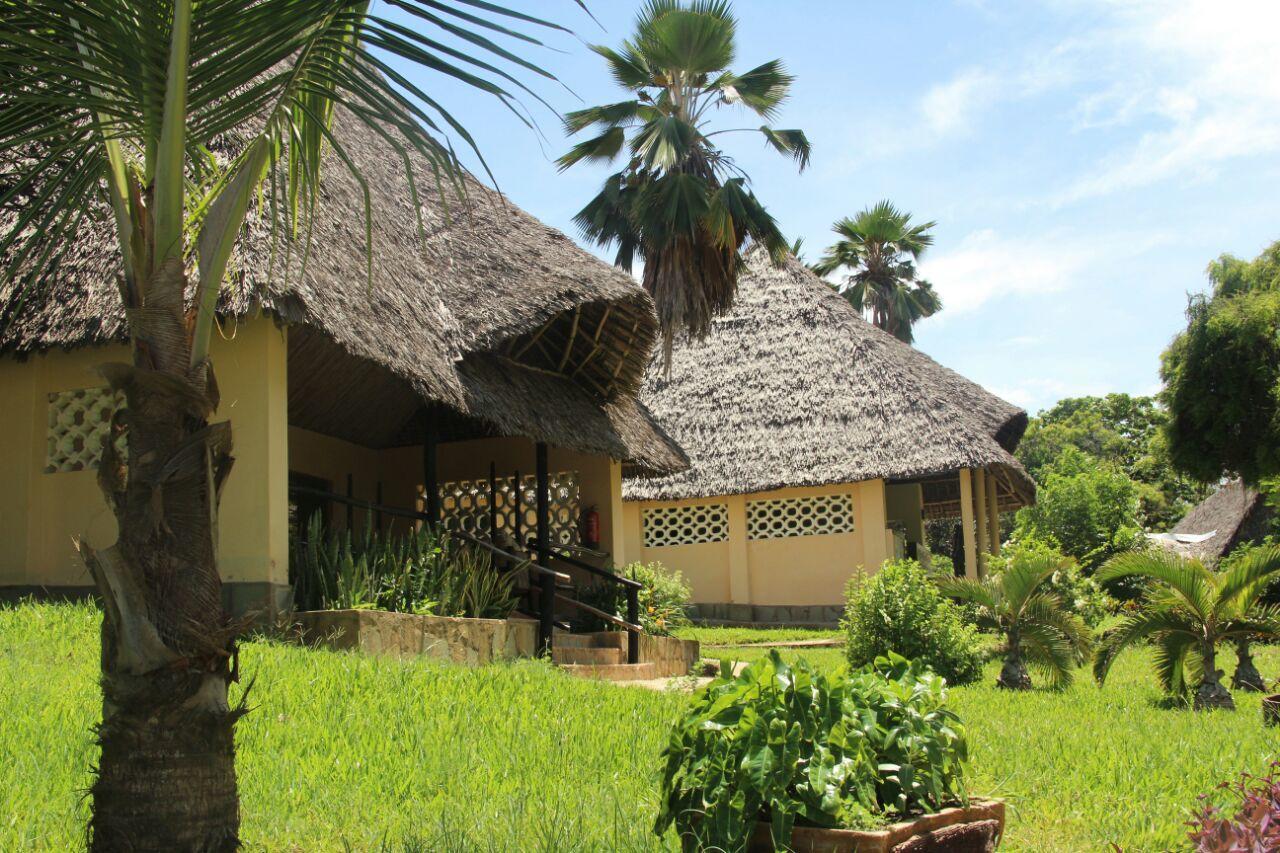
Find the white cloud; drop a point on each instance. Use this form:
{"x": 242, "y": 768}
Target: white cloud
{"x": 950, "y": 107}
{"x": 1036, "y": 394}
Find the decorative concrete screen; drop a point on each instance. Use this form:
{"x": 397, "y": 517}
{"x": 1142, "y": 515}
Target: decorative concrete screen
{"x": 465, "y": 506}
{"x": 685, "y": 525}
{"x": 79, "y": 421}
{"x": 813, "y": 516}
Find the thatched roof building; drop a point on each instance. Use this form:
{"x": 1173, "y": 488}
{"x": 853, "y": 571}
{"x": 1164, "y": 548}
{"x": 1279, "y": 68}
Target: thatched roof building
{"x": 794, "y": 388}
{"x": 1233, "y": 515}
{"x": 498, "y": 321}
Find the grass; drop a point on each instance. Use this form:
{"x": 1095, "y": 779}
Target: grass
{"x": 350, "y": 752}
{"x": 717, "y": 636}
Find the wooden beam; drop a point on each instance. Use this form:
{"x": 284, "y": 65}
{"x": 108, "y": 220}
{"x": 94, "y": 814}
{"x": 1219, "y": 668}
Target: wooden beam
{"x": 993, "y": 516}
{"x": 573, "y": 334}
{"x": 595, "y": 341}
{"x": 980, "y": 517}
{"x": 966, "y": 524}
{"x": 517, "y": 353}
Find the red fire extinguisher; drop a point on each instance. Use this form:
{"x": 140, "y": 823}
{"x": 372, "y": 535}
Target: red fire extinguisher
{"x": 591, "y": 528}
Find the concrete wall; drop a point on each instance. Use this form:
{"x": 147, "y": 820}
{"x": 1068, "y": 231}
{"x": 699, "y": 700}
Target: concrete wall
{"x": 792, "y": 571}
{"x": 40, "y": 513}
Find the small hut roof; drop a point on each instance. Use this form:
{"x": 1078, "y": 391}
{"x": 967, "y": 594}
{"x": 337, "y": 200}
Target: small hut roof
{"x": 794, "y": 388}
{"x": 1232, "y": 515}
{"x": 485, "y": 276}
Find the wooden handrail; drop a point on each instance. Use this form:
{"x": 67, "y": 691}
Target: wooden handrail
{"x": 507, "y": 555}
{"x": 607, "y": 617}
{"x": 587, "y": 567}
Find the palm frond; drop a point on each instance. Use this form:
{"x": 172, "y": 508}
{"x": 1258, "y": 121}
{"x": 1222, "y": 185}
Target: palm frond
{"x": 1249, "y": 576}
{"x": 1135, "y": 628}
{"x": 1171, "y": 655}
{"x": 1189, "y": 579}
{"x": 1050, "y": 651}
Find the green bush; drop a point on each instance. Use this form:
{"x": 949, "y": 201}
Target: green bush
{"x": 418, "y": 572}
{"x": 1080, "y": 594}
{"x": 664, "y": 600}
{"x": 791, "y": 745}
{"x": 899, "y": 609}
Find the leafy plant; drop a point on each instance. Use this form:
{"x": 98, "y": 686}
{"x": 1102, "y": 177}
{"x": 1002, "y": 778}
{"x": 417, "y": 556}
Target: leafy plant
{"x": 899, "y": 610}
{"x": 1190, "y": 610}
{"x": 788, "y": 744}
{"x": 879, "y": 247}
{"x": 1080, "y": 593}
{"x": 420, "y": 571}
{"x": 1254, "y": 823}
{"x": 664, "y": 599}
{"x": 1036, "y": 624}
{"x": 681, "y": 203}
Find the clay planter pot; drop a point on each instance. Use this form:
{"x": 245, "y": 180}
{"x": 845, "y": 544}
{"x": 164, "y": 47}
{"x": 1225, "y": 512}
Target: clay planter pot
{"x": 1271, "y": 709}
{"x": 976, "y": 828}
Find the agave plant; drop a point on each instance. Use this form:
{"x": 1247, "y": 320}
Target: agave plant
{"x": 1037, "y": 625}
{"x": 680, "y": 204}
{"x": 1190, "y": 611}
{"x": 879, "y": 247}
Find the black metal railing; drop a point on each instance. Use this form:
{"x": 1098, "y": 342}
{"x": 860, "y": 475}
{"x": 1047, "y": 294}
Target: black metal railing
{"x": 630, "y": 587}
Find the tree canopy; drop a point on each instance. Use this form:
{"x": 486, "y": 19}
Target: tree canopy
{"x": 1222, "y": 375}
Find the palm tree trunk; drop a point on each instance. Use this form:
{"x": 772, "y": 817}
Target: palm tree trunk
{"x": 1246, "y": 676}
{"x": 166, "y": 779}
{"x": 1014, "y": 675}
{"x": 1211, "y": 694}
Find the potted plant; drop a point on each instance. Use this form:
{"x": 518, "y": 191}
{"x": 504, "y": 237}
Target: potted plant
{"x": 783, "y": 756}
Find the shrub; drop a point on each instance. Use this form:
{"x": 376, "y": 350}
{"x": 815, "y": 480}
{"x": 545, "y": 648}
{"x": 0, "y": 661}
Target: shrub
{"x": 792, "y": 745}
{"x": 664, "y": 600}
{"x": 900, "y": 610}
{"x": 1254, "y": 823}
{"x": 1080, "y": 594}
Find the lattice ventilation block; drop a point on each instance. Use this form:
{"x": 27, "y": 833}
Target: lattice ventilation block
{"x": 79, "y": 421}
{"x": 811, "y": 516}
{"x": 685, "y": 525}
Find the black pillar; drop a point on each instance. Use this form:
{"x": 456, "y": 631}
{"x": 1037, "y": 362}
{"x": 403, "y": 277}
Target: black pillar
{"x": 546, "y": 615}
{"x": 430, "y": 476}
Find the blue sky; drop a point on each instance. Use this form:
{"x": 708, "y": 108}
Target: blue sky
{"x": 1084, "y": 159}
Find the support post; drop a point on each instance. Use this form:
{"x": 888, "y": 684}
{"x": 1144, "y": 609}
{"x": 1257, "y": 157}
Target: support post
{"x": 633, "y": 616}
{"x": 493, "y": 502}
{"x": 993, "y": 513}
{"x": 980, "y": 516}
{"x": 430, "y": 473}
{"x": 518, "y": 527}
{"x": 546, "y": 611}
{"x": 966, "y": 523}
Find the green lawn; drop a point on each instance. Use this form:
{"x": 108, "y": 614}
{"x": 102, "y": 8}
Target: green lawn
{"x": 350, "y": 752}
{"x": 715, "y": 636}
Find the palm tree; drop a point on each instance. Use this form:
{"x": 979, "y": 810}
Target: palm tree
{"x": 1037, "y": 626}
{"x": 1189, "y": 612}
{"x": 879, "y": 247}
{"x": 173, "y": 117}
{"x": 681, "y": 204}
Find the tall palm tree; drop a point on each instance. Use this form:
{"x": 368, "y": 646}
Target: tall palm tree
{"x": 679, "y": 203}
{"x": 172, "y": 117}
{"x": 1189, "y": 612}
{"x": 1037, "y": 626}
{"x": 879, "y": 247}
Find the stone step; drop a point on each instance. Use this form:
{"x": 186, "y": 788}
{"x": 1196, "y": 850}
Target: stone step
{"x": 614, "y": 672}
{"x": 587, "y": 655}
{"x": 596, "y": 640}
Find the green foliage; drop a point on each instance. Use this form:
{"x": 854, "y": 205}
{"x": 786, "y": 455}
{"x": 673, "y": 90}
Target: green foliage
{"x": 717, "y": 635}
{"x": 1080, "y": 594}
{"x": 1222, "y": 386}
{"x": 789, "y": 744}
{"x": 418, "y": 572}
{"x": 1036, "y": 623}
{"x": 1087, "y": 508}
{"x": 1190, "y": 611}
{"x": 900, "y": 610}
{"x": 1127, "y": 432}
{"x": 1232, "y": 276}
{"x": 664, "y": 599}
{"x": 680, "y": 203}
{"x": 879, "y": 247}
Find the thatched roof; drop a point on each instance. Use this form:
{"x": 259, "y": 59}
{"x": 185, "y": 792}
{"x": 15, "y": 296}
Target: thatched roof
{"x": 794, "y": 388}
{"x": 1233, "y": 515}
{"x": 487, "y": 277}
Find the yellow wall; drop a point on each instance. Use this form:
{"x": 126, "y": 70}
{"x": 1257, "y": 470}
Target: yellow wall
{"x": 40, "y": 514}
{"x": 793, "y": 570}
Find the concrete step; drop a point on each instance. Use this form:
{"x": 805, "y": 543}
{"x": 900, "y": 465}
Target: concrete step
{"x": 614, "y": 672}
{"x": 587, "y": 655}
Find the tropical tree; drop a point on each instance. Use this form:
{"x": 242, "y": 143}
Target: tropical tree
{"x": 1190, "y": 610}
{"x": 176, "y": 120}
{"x": 879, "y": 247}
{"x": 679, "y": 203}
{"x": 1037, "y": 625}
